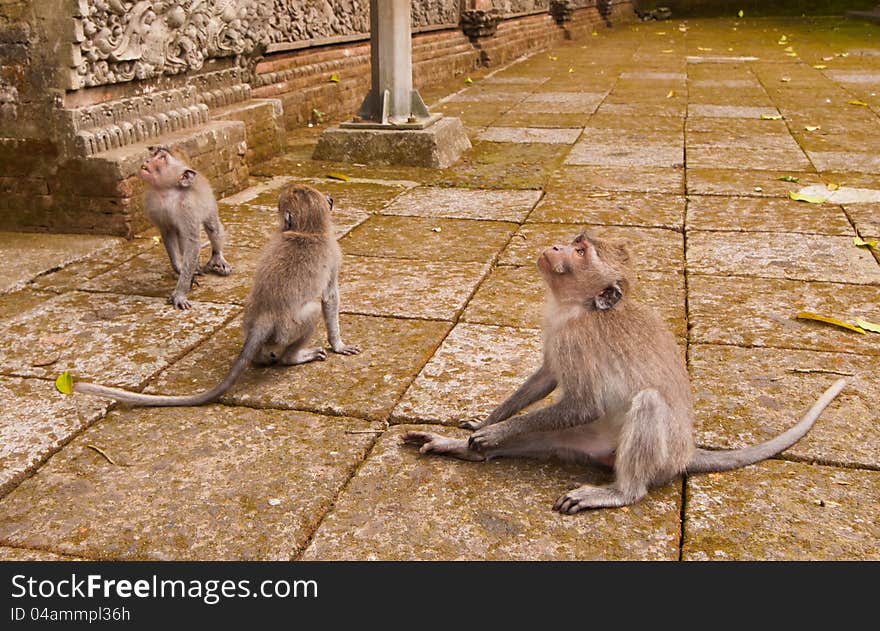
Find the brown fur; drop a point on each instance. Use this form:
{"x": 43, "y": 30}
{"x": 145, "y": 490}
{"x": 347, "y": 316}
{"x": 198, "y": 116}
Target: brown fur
{"x": 296, "y": 278}
{"x": 626, "y": 397}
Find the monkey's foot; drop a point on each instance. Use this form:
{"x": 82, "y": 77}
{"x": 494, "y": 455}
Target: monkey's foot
{"x": 344, "y": 349}
{"x": 218, "y": 265}
{"x": 429, "y": 443}
{"x": 586, "y": 497}
{"x": 304, "y": 356}
{"x": 487, "y": 438}
{"x": 179, "y": 301}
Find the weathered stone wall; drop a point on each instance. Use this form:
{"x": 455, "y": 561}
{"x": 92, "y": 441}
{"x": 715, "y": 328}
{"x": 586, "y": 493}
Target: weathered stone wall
{"x": 87, "y": 85}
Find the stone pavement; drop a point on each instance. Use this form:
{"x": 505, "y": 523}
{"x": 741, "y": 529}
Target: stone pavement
{"x": 673, "y": 135}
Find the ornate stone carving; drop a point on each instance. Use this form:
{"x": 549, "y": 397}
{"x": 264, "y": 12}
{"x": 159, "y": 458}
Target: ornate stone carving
{"x": 478, "y": 23}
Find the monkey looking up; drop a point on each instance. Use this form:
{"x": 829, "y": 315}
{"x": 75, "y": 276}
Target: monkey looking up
{"x": 626, "y": 397}
{"x": 179, "y": 202}
{"x": 296, "y": 278}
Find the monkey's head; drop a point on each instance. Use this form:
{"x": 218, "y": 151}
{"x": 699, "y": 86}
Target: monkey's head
{"x": 304, "y": 209}
{"x": 590, "y": 271}
{"x": 163, "y": 169}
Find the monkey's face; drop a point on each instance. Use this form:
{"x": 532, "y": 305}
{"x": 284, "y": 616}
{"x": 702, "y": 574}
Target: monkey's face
{"x": 163, "y": 170}
{"x": 578, "y": 272}
{"x": 154, "y": 167}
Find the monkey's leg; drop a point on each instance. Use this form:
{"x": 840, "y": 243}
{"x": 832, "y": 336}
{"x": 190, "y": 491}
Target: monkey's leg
{"x": 535, "y": 388}
{"x": 492, "y": 438}
{"x": 305, "y": 326}
{"x": 429, "y": 443}
{"x": 216, "y": 264}
{"x": 641, "y": 458}
{"x": 330, "y": 308}
{"x": 189, "y": 264}
{"x": 169, "y": 240}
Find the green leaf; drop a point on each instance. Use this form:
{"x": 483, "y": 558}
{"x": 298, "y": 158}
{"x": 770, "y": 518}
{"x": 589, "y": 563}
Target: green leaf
{"x": 740, "y": 13}
{"x": 806, "y": 198}
{"x": 807, "y": 315}
{"x": 338, "y": 176}
{"x": 64, "y": 383}
{"x": 789, "y": 178}
{"x": 868, "y": 326}
{"x": 859, "y": 242}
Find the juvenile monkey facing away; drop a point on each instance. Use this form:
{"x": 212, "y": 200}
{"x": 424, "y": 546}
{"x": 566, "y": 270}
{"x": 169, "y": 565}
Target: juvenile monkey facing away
{"x": 626, "y": 398}
{"x": 295, "y": 279}
{"x": 179, "y": 202}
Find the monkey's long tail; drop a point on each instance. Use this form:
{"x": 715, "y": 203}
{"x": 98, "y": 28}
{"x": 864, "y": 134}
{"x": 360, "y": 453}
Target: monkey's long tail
{"x": 251, "y": 345}
{"x": 707, "y": 461}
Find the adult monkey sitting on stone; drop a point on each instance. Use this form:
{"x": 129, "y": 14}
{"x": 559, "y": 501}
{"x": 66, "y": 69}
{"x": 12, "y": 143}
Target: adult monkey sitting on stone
{"x": 295, "y": 280}
{"x": 626, "y": 397}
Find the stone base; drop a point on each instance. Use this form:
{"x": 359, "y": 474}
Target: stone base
{"x": 437, "y": 146}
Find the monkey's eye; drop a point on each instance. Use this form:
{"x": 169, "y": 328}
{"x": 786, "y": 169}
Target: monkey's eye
{"x": 581, "y": 252}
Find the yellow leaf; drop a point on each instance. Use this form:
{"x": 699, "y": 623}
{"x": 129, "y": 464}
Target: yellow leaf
{"x": 668, "y": 50}
{"x": 832, "y": 187}
{"x": 334, "y": 78}
{"x": 670, "y": 94}
{"x": 791, "y": 54}
{"x": 595, "y": 33}
{"x": 806, "y": 198}
{"x": 705, "y": 50}
{"x": 859, "y": 242}
{"x": 788, "y": 49}
{"x": 437, "y": 229}
{"x": 813, "y": 127}
{"x": 64, "y": 383}
{"x": 789, "y": 178}
{"x": 771, "y": 117}
{"x": 468, "y": 80}
{"x": 571, "y": 69}
{"x": 740, "y": 13}
{"x": 806, "y": 315}
{"x": 338, "y": 176}
{"x": 157, "y": 240}
{"x": 661, "y": 32}
{"x": 827, "y": 58}
{"x": 552, "y": 58}
{"x": 785, "y": 79}
{"x": 820, "y": 66}
{"x": 856, "y": 102}
{"x": 868, "y": 326}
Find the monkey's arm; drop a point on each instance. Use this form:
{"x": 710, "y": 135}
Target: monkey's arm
{"x": 535, "y": 388}
{"x": 330, "y": 309}
{"x": 558, "y": 416}
{"x": 188, "y": 267}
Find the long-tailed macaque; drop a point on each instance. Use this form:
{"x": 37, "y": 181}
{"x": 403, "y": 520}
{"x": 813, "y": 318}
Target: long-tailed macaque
{"x": 295, "y": 280}
{"x": 180, "y": 202}
{"x": 626, "y": 397}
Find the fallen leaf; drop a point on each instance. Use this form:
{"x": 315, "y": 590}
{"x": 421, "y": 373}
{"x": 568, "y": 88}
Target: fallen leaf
{"x": 552, "y": 58}
{"x": 813, "y": 127}
{"x": 856, "y": 102}
{"x": 670, "y": 94}
{"x": 338, "y": 176}
{"x": 437, "y": 229}
{"x": 820, "y": 66}
{"x": 759, "y": 189}
{"x": 468, "y": 80}
{"x": 827, "y": 58}
{"x": 806, "y": 198}
{"x": 788, "y": 178}
{"x": 807, "y": 315}
{"x": 785, "y": 79}
{"x": 595, "y": 33}
{"x": 668, "y": 50}
{"x": 661, "y": 32}
{"x": 791, "y": 54}
{"x": 843, "y": 483}
{"x": 705, "y": 50}
{"x": 64, "y": 383}
{"x": 771, "y": 117}
{"x": 740, "y": 13}
{"x": 788, "y": 49}
{"x": 571, "y": 69}
{"x": 827, "y": 503}
{"x": 859, "y": 242}
{"x": 334, "y": 78}
{"x": 782, "y": 40}
{"x": 599, "y": 195}
{"x": 274, "y": 502}
{"x": 157, "y": 239}
{"x": 832, "y": 187}
{"x": 868, "y": 326}
{"x": 102, "y": 452}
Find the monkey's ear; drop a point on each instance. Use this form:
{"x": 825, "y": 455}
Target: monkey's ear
{"x": 186, "y": 178}
{"x": 609, "y": 297}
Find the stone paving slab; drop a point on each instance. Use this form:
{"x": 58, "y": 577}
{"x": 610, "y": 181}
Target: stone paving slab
{"x": 367, "y": 385}
{"x": 866, "y": 218}
{"x": 782, "y": 511}
{"x": 644, "y": 180}
{"x": 747, "y": 158}
{"x": 845, "y": 161}
{"x": 518, "y": 118}
{"x": 561, "y": 102}
{"x": 651, "y": 248}
{"x": 751, "y": 312}
{"x": 625, "y": 153}
{"x": 428, "y": 238}
{"x": 781, "y": 255}
{"x": 94, "y": 336}
{"x": 730, "y": 111}
{"x": 502, "y": 165}
{"x": 176, "y": 492}
{"x": 35, "y": 422}
{"x": 38, "y": 253}
{"x": 433, "y": 508}
{"x": 675, "y": 109}
{"x": 737, "y": 408}
{"x": 530, "y": 135}
{"x": 15, "y": 303}
{"x": 421, "y": 289}
{"x": 624, "y": 209}
{"x": 747, "y": 182}
{"x": 514, "y": 296}
{"x": 472, "y": 372}
{"x": 750, "y": 214}
{"x": 464, "y": 204}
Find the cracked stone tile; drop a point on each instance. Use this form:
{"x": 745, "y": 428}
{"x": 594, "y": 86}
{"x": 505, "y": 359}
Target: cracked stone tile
{"x": 514, "y": 296}
{"x": 530, "y": 135}
{"x": 460, "y": 203}
{"x": 665, "y": 211}
{"x": 652, "y": 248}
{"x": 757, "y": 214}
{"x": 440, "y": 508}
{"x": 420, "y": 289}
{"x": 634, "y": 179}
{"x": 746, "y": 182}
{"x": 91, "y": 336}
{"x": 782, "y": 511}
{"x": 367, "y": 385}
{"x": 866, "y": 217}
{"x": 35, "y": 421}
{"x": 428, "y": 238}
{"x": 768, "y": 396}
{"x": 744, "y": 312}
{"x": 475, "y": 368}
{"x": 781, "y": 255}
{"x": 174, "y": 495}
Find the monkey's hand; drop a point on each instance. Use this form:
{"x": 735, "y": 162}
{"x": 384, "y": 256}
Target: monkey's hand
{"x": 434, "y": 443}
{"x": 344, "y": 349}
{"x": 179, "y": 301}
{"x": 218, "y": 265}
